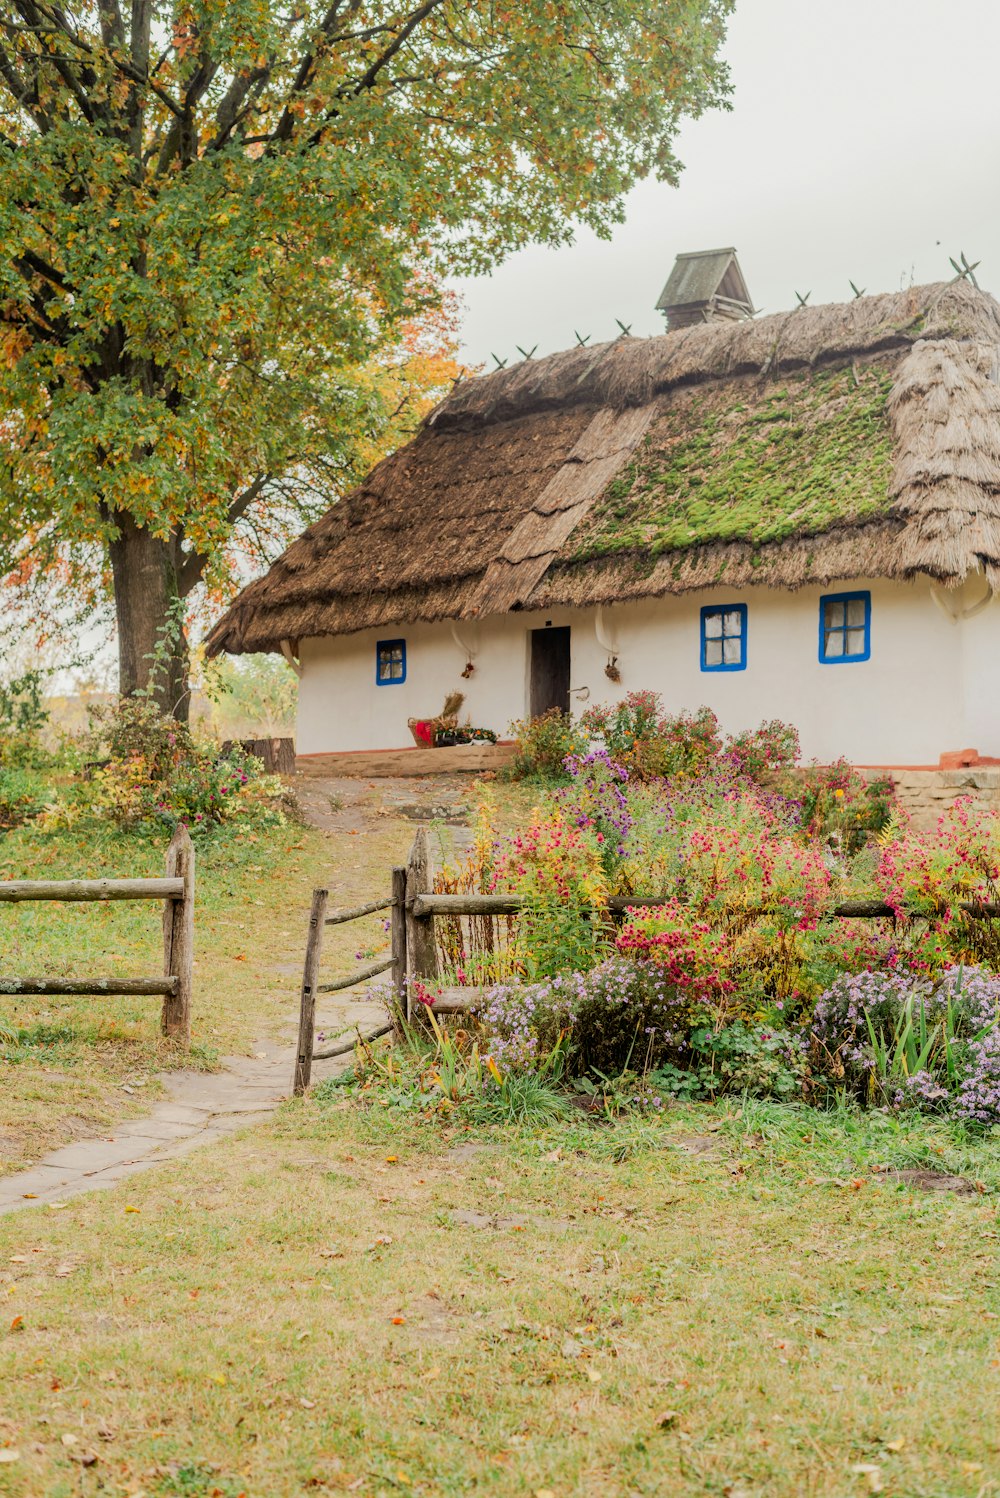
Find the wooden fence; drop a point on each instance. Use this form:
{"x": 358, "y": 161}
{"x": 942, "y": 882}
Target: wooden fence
{"x": 176, "y": 891}
{"x": 414, "y": 954}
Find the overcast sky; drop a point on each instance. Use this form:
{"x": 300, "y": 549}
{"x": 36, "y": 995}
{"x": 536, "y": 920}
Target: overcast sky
{"x": 863, "y": 143}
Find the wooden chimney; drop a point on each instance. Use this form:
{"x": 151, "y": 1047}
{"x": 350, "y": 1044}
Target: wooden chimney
{"x": 705, "y": 286}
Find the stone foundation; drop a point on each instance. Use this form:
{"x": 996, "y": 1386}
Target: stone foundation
{"x": 926, "y": 794}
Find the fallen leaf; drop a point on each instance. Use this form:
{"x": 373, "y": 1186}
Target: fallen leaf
{"x": 399, "y": 1320}
{"x": 18, "y": 1259}
{"x": 544, "y": 1493}
{"x": 17, "y": 1325}
{"x": 9, "y": 1454}
{"x": 895, "y": 1445}
{"x": 593, "y": 1375}
{"x": 133, "y": 1209}
{"x": 68, "y": 1439}
{"x": 873, "y": 1474}
{"x": 308, "y": 1404}
{"x": 668, "y": 1418}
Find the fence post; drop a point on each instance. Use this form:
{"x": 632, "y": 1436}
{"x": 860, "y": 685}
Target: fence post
{"x": 398, "y": 929}
{"x": 421, "y": 957}
{"x": 307, "y": 1003}
{"x": 178, "y": 939}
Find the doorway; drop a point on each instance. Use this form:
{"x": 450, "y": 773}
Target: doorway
{"x": 549, "y": 679}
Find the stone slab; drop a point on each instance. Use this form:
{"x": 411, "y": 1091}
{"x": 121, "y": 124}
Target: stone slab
{"x": 93, "y": 1154}
{"x": 139, "y": 1129}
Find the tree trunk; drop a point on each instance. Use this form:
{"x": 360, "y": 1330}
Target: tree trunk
{"x": 152, "y": 645}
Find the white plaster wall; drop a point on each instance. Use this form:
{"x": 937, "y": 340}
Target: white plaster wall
{"x": 980, "y": 641}
{"x": 905, "y": 705}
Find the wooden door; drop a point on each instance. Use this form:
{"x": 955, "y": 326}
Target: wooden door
{"x": 549, "y": 686}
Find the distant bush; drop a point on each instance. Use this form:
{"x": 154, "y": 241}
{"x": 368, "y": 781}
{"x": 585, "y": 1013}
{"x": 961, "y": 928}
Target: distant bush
{"x": 23, "y": 717}
{"x": 257, "y": 693}
{"x": 23, "y": 794}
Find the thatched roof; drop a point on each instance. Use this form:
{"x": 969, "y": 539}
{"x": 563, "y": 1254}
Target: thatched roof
{"x": 854, "y": 440}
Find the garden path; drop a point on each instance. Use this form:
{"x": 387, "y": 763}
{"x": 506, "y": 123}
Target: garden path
{"x": 202, "y": 1107}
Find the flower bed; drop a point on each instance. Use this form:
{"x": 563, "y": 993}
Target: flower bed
{"x": 741, "y": 979}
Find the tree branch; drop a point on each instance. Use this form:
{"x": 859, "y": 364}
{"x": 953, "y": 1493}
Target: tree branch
{"x": 192, "y": 569}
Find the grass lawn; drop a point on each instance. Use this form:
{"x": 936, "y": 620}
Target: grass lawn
{"x": 729, "y": 1301}
{"x": 72, "y": 1066}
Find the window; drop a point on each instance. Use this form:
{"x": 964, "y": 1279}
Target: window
{"x": 845, "y": 627}
{"x": 724, "y": 638}
{"x": 390, "y": 663}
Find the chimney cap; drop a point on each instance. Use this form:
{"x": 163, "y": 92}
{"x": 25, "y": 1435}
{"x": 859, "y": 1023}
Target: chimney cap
{"x": 703, "y": 285}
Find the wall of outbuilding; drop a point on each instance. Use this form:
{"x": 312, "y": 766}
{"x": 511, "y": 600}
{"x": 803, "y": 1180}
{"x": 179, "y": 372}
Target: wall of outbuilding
{"x": 931, "y": 684}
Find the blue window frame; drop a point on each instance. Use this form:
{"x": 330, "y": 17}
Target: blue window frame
{"x": 724, "y": 637}
{"x": 390, "y": 663}
{"x": 845, "y": 628}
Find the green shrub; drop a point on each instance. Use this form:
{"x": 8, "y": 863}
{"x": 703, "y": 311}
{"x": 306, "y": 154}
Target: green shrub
{"x": 542, "y": 745}
{"x": 153, "y": 771}
{"x": 650, "y": 743}
{"x": 839, "y": 803}
{"x": 758, "y": 1059}
{"x": 759, "y": 752}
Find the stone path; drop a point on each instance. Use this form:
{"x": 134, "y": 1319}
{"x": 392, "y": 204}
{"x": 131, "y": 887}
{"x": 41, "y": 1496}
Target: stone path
{"x": 202, "y": 1107}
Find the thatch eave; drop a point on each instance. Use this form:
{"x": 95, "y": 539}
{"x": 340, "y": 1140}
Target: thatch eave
{"x": 526, "y": 488}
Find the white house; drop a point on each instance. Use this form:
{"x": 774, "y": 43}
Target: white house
{"x": 795, "y": 517}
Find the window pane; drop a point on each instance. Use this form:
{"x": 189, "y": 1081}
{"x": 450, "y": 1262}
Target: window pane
{"x": 732, "y": 652}
{"x": 833, "y": 642}
{"x": 733, "y": 623}
{"x": 855, "y": 642}
{"x": 713, "y": 626}
{"x": 713, "y": 652}
{"x": 856, "y": 612}
{"x": 834, "y": 614}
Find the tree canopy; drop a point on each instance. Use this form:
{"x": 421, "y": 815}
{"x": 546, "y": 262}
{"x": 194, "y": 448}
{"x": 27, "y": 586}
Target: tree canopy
{"x": 224, "y": 224}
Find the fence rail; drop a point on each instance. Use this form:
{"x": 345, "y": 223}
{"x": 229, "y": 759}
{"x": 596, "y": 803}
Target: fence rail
{"x": 177, "y": 893}
{"x": 424, "y": 907}
{"x": 16, "y": 890}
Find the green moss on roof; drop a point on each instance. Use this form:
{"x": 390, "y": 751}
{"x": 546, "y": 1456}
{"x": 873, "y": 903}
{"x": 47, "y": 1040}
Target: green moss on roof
{"x": 795, "y": 459}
